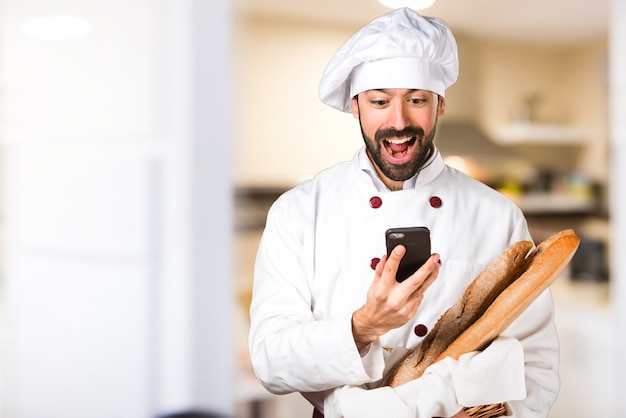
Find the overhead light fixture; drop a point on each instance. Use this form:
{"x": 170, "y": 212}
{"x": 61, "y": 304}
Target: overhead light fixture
{"x": 56, "y": 28}
{"x": 412, "y": 4}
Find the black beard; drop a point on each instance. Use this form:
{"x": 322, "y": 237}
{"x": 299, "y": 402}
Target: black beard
{"x": 409, "y": 169}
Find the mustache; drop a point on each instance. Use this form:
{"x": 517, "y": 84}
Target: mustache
{"x": 409, "y": 131}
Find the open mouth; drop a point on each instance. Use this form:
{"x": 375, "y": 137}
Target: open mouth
{"x": 399, "y": 148}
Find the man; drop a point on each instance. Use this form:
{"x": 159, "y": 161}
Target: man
{"x": 326, "y": 307}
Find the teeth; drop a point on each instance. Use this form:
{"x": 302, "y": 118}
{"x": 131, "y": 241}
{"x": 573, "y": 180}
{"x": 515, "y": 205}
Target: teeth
{"x": 399, "y": 140}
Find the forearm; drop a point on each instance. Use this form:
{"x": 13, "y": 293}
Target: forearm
{"x": 362, "y": 333}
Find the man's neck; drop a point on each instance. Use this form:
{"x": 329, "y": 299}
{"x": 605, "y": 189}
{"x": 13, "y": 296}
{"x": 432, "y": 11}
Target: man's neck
{"x": 392, "y": 185}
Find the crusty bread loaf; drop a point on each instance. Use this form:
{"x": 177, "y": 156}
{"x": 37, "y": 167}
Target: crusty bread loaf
{"x": 475, "y": 300}
{"x": 493, "y": 300}
{"x": 549, "y": 260}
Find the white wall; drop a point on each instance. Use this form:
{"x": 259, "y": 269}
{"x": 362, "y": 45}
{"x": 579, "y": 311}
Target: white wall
{"x": 116, "y": 296}
{"x": 284, "y": 134}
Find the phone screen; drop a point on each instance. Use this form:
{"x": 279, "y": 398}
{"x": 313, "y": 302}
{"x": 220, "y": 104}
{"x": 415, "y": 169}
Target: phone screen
{"x": 416, "y": 240}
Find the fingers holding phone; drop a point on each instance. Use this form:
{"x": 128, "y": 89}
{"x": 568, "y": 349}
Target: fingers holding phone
{"x": 416, "y": 241}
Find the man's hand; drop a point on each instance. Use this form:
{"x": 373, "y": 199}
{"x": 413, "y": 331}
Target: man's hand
{"x": 391, "y": 304}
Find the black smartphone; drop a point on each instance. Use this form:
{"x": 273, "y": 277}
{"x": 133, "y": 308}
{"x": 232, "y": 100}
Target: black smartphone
{"x": 416, "y": 240}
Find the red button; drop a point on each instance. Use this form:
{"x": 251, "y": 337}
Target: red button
{"x": 420, "y": 330}
{"x": 436, "y": 202}
{"x": 374, "y": 263}
{"x": 376, "y": 202}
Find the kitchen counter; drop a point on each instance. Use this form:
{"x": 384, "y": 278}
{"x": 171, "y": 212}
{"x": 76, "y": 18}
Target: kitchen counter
{"x": 581, "y": 294}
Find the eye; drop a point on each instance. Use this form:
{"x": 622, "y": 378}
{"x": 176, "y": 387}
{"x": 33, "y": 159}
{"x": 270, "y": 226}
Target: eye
{"x": 417, "y": 100}
{"x": 379, "y": 102}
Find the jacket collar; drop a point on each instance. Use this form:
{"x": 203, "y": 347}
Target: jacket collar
{"x": 431, "y": 170}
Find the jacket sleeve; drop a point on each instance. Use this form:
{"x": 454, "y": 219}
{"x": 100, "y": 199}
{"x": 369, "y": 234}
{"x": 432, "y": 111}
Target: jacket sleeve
{"x": 290, "y": 349}
{"x": 477, "y": 378}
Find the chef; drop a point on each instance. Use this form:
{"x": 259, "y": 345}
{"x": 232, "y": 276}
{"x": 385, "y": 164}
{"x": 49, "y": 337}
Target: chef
{"x": 326, "y": 307}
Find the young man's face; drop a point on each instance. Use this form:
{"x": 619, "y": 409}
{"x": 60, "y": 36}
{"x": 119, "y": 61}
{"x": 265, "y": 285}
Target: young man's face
{"x": 398, "y": 127}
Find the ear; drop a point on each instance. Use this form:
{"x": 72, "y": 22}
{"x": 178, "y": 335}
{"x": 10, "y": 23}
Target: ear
{"x": 355, "y": 107}
{"x": 441, "y": 106}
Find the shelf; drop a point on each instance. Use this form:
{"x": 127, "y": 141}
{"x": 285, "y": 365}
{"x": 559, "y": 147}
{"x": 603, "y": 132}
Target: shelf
{"x": 555, "y": 203}
{"x": 539, "y": 133}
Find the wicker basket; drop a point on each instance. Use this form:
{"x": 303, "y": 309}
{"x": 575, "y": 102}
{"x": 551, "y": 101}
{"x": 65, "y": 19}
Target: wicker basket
{"x": 486, "y": 411}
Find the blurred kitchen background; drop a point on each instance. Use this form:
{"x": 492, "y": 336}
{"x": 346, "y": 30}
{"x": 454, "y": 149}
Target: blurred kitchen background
{"x": 142, "y": 142}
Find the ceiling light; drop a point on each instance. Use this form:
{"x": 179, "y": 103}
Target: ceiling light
{"x": 56, "y": 28}
{"x": 413, "y": 4}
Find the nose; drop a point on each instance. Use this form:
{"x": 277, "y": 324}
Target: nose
{"x": 399, "y": 118}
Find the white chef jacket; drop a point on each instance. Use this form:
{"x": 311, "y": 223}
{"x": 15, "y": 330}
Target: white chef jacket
{"x": 315, "y": 264}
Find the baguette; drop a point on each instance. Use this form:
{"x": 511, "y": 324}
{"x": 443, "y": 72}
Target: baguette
{"x": 475, "y": 300}
{"x": 495, "y": 298}
{"x": 549, "y": 260}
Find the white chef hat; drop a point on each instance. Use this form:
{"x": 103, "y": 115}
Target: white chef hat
{"x": 401, "y": 49}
